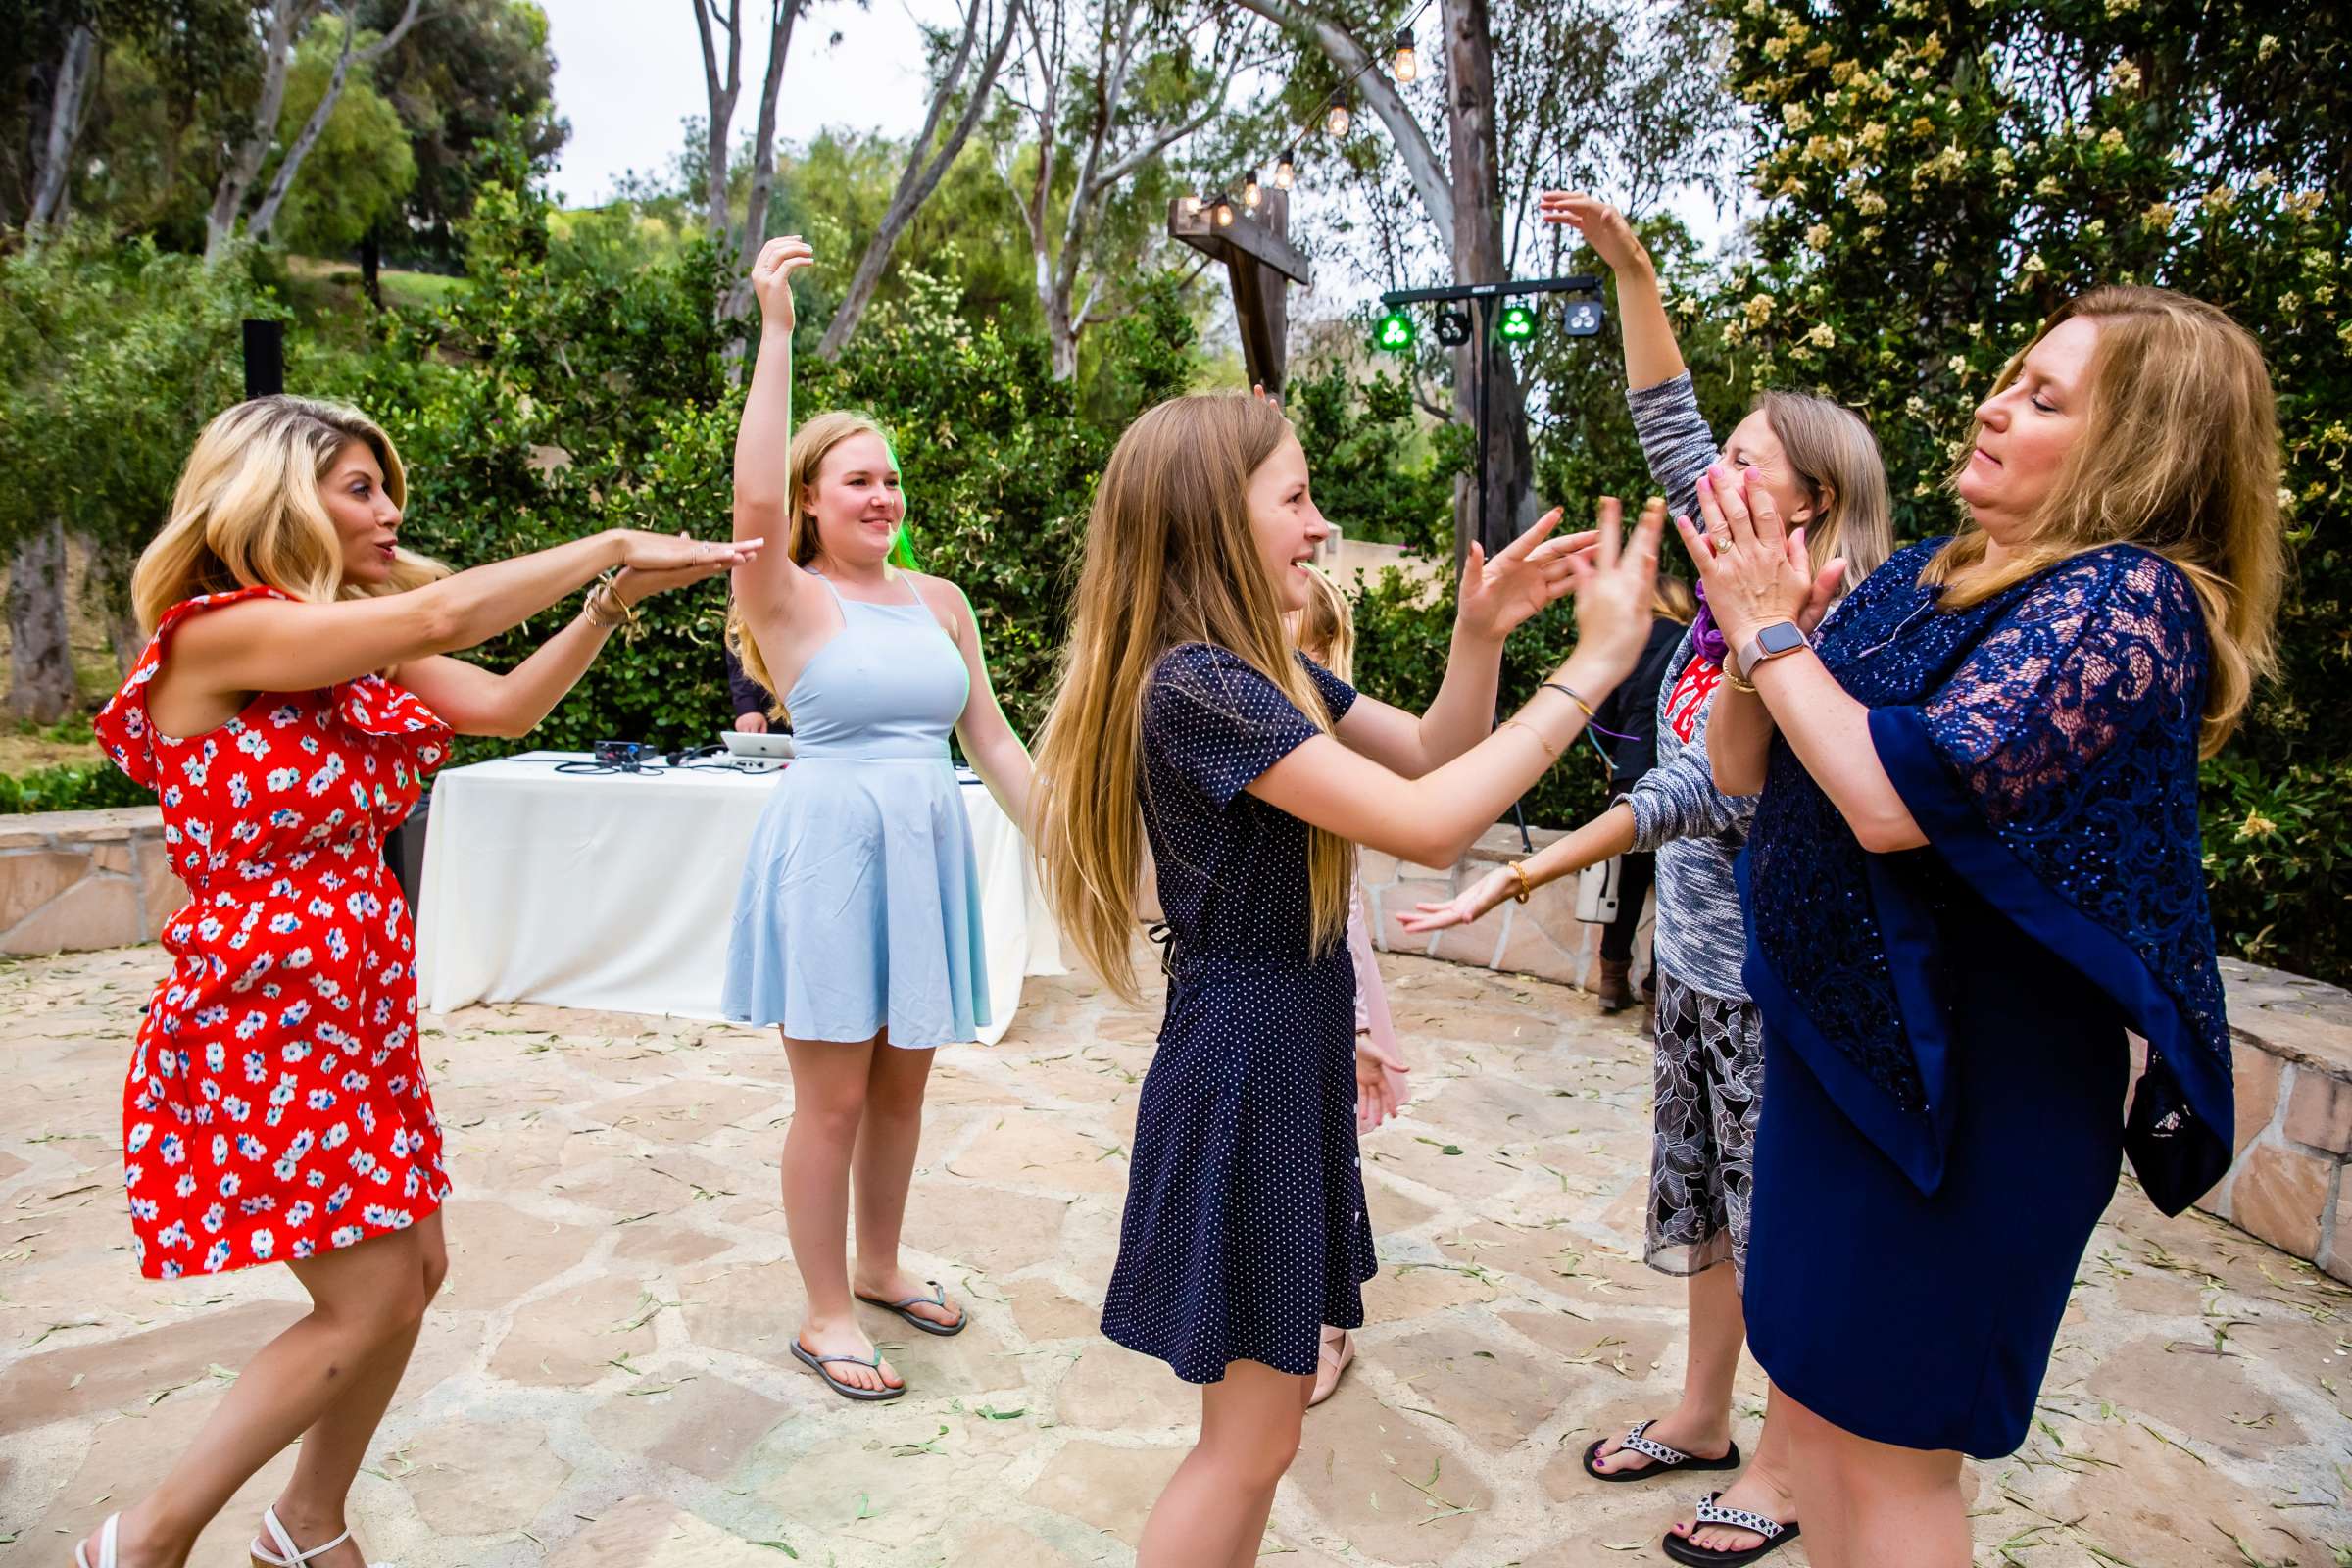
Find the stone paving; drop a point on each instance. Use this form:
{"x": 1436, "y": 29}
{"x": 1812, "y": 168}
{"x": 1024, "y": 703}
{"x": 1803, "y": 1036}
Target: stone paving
{"x": 604, "y": 1383}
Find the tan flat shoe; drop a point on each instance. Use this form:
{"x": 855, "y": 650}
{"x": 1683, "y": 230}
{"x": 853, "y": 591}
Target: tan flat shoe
{"x": 1331, "y": 1362}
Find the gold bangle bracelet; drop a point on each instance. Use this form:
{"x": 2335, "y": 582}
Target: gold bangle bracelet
{"x": 1736, "y": 681}
{"x": 1526, "y": 888}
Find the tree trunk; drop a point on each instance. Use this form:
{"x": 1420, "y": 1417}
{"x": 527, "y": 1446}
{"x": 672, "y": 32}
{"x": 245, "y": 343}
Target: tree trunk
{"x": 1475, "y": 164}
{"x": 924, "y": 169}
{"x": 372, "y": 264}
{"x": 738, "y": 300}
{"x": 69, "y": 103}
{"x": 286, "y": 21}
{"x": 264, "y": 217}
{"x": 40, "y": 656}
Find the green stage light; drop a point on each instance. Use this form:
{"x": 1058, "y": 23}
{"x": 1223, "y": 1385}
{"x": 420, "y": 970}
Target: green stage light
{"x": 1516, "y": 324}
{"x": 1395, "y": 333}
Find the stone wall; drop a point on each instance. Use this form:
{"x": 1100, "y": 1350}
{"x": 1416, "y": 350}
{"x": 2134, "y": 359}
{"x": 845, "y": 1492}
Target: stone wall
{"x": 2292, "y": 1183}
{"x": 70, "y": 881}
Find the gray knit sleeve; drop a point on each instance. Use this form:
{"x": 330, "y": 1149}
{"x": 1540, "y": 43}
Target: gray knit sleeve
{"x": 1674, "y": 438}
{"x": 1679, "y": 800}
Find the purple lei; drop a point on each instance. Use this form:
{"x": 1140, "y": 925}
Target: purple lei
{"x": 1705, "y": 635}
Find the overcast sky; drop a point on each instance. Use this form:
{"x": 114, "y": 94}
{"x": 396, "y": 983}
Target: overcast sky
{"x": 627, "y": 71}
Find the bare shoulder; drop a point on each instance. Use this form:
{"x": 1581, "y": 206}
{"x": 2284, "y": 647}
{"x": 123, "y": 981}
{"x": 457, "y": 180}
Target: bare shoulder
{"x": 946, "y": 599}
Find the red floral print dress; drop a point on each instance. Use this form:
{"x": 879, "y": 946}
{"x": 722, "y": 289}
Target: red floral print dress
{"x": 277, "y": 1104}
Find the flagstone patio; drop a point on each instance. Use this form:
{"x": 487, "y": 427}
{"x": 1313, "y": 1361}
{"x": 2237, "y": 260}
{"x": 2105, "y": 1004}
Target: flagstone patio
{"x": 604, "y": 1381}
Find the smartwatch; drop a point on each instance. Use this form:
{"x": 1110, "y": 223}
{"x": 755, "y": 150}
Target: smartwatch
{"x": 1781, "y": 637}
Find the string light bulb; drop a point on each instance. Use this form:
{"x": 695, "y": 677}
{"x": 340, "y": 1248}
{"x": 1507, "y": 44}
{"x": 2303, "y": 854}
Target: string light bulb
{"x": 1224, "y": 212}
{"x": 1408, "y": 63}
{"x": 1337, "y": 120}
{"x": 1252, "y": 192}
{"x": 1286, "y": 171}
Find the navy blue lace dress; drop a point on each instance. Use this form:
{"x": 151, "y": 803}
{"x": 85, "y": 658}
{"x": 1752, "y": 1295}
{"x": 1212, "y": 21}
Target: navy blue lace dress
{"x": 1245, "y": 1225}
{"x": 1946, "y": 1060}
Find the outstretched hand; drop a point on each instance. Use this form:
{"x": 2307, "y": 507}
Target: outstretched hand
{"x": 1755, "y": 575}
{"x": 1604, "y": 226}
{"x": 1471, "y": 903}
{"x": 771, "y": 278}
{"x": 1616, "y": 584}
{"x": 1527, "y": 574}
{"x": 655, "y": 562}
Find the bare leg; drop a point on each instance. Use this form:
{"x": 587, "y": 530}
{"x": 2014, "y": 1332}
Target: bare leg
{"x": 1902, "y": 1504}
{"x": 884, "y": 1167}
{"x": 365, "y": 1304}
{"x": 1701, "y": 1424}
{"x": 1213, "y": 1512}
{"x": 828, "y": 1101}
{"x": 1768, "y": 1486}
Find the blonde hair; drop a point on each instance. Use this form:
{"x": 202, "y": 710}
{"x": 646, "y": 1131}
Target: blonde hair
{"x": 249, "y": 512}
{"x": 1170, "y": 559}
{"x": 1831, "y": 450}
{"x": 811, "y": 445}
{"x": 1327, "y": 626}
{"x": 1673, "y": 598}
{"x": 2179, "y": 455}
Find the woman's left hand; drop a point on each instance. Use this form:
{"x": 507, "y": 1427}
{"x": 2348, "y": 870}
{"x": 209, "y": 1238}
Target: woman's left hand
{"x": 1380, "y": 1087}
{"x": 1755, "y": 573}
{"x": 636, "y": 583}
{"x": 1531, "y": 572}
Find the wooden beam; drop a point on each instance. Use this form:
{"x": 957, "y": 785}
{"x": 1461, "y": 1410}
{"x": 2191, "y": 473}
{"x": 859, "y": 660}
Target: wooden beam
{"x": 1261, "y": 237}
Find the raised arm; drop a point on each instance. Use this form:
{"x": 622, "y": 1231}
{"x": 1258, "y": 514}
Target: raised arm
{"x": 292, "y": 645}
{"x": 1651, "y": 355}
{"x": 763, "y": 438}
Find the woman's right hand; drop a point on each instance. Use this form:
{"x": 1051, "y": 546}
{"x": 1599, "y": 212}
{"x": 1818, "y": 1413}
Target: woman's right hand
{"x": 1604, "y": 226}
{"x": 663, "y": 554}
{"x": 1469, "y": 904}
{"x": 771, "y": 278}
{"x": 1615, "y": 587}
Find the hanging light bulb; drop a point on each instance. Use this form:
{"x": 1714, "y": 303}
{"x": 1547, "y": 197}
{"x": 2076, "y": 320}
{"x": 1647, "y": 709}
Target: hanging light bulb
{"x": 1224, "y": 212}
{"x": 1407, "y": 63}
{"x": 1287, "y": 170}
{"x": 1252, "y": 194}
{"x": 1337, "y": 120}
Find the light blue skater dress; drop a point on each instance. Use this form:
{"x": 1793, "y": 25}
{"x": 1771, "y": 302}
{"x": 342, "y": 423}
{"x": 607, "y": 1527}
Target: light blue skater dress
{"x": 860, "y": 906}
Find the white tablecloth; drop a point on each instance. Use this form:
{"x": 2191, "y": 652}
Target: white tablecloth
{"x": 616, "y": 891}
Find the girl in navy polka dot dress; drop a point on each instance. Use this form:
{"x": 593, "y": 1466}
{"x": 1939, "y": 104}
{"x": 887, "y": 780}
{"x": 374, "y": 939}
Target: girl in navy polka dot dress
{"x": 1257, "y": 772}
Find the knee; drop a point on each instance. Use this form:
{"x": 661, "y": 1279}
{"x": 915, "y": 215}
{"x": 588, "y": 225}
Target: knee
{"x": 1256, "y": 1459}
{"x": 433, "y": 1270}
{"x": 831, "y": 1120}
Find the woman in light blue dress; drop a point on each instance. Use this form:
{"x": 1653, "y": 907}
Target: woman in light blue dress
{"x": 856, "y": 929}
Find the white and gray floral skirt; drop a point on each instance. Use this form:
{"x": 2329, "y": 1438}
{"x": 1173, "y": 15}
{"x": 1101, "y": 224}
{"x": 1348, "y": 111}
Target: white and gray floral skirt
{"x": 1710, "y": 1086}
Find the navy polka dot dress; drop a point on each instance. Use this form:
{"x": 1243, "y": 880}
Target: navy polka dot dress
{"x": 1245, "y": 1228}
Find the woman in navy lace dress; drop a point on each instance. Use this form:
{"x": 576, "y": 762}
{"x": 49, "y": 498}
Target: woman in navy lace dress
{"x": 1976, "y": 865}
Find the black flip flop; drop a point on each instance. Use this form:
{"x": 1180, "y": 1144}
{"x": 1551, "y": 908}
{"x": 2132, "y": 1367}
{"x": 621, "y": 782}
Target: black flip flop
{"x": 938, "y": 1297}
{"x": 1776, "y": 1536}
{"x": 847, "y": 1390}
{"x": 1664, "y": 1459}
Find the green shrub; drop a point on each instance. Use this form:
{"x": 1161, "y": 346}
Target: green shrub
{"x": 71, "y": 787}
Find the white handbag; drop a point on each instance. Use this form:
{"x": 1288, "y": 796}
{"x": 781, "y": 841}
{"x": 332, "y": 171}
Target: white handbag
{"x": 1597, "y": 892}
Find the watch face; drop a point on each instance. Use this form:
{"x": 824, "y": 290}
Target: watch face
{"x": 1780, "y": 638}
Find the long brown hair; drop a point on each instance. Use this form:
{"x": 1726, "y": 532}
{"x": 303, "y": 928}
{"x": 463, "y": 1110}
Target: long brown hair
{"x": 1170, "y": 559}
{"x": 248, "y": 512}
{"x": 1327, "y": 626}
{"x": 2179, "y": 455}
{"x": 1834, "y": 455}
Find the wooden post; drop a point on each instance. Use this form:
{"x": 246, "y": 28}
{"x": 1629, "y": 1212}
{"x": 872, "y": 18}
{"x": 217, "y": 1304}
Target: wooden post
{"x": 1263, "y": 265}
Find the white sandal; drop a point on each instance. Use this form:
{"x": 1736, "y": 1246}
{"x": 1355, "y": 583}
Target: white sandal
{"x": 105, "y": 1545}
{"x": 287, "y": 1554}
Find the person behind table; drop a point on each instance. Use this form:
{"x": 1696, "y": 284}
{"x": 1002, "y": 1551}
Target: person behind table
{"x": 294, "y": 696}
{"x": 856, "y": 929}
{"x": 1822, "y": 465}
{"x": 1975, "y": 866}
{"x": 753, "y": 704}
{"x": 1326, "y": 634}
{"x": 1184, "y": 713}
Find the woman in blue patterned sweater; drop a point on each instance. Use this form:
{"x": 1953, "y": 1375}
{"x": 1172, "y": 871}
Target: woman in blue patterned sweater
{"x": 1975, "y": 866}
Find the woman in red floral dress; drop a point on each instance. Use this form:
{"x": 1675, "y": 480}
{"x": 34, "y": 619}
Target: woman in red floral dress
{"x": 294, "y": 698}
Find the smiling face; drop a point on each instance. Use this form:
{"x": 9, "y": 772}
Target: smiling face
{"x": 2026, "y": 431}
{"x": 1285, "y": 522}
{"x": 367, "y": 519}
{"x": 856, "y": 501}
{"x": 1753, "y": 445}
